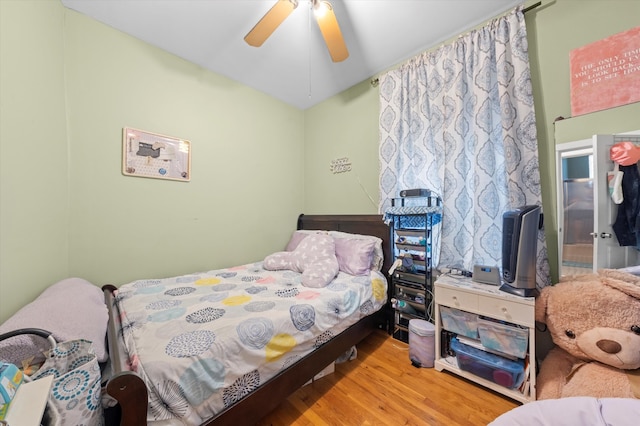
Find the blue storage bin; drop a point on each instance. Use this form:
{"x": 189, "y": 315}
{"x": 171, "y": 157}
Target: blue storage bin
{"x": 503, "y": 337}
{"x": 497, "y": 369}
{"x": 459, "y": 322}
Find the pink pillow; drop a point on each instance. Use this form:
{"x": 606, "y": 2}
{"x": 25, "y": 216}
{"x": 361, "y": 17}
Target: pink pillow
{"x": 378, "y": 254}
{"x": 314, "y": 257}
{"x": 354, "y": 255}
{"x": 296, "y": 237}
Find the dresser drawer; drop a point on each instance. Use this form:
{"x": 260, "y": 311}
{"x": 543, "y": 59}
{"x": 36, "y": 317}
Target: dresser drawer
{"x": 507, "y": 310}
{"x": 456, "y": 298}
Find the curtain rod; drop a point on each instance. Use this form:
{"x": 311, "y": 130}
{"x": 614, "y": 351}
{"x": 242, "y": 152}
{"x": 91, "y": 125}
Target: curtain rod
{"x": 374, "y": 81}
{"x": 533, "y": 6}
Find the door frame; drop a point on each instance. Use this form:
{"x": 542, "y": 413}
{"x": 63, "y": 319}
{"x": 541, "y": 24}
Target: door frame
{"x": 598, "y": 146}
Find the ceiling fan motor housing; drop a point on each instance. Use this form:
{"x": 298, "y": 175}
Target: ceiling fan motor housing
{"x": 327, "y": 22}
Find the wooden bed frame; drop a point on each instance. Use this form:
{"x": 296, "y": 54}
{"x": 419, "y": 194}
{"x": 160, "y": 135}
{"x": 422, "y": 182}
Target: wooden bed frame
{"x": 129, "y": 390}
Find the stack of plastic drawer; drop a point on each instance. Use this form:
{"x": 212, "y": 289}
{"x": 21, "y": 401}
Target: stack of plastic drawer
{"x": 491, "y": 349}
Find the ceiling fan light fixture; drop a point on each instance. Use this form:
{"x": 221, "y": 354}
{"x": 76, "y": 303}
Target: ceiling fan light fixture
{"x": 325, "y": 17}
{"x": 320, "y": 8}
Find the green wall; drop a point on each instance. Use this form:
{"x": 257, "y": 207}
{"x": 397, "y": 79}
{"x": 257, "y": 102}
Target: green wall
{"x": 621, "y": 119}
{"x": 346, "y": 125}
{"x": 554, "y": 29}
{"x": 34, "y": 191}
{"x": 69, "y": 86}
{"x": 246, "y": 183}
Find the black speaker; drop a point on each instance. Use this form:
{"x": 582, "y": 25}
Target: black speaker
{"x": 519, "y": 249}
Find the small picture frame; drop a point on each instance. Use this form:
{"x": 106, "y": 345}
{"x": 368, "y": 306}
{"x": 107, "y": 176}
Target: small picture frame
{"x": 146, "y": 154}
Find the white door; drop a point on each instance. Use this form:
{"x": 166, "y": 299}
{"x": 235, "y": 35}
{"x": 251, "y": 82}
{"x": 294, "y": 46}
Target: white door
{"x": 586, "y": 211}
{"x": 608, "y": 252}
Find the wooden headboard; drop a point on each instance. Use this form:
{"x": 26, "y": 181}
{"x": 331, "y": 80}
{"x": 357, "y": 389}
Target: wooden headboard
{"x": 368, "y": 224}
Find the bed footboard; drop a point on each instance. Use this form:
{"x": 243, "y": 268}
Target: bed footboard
{"x": 125, "y": 386}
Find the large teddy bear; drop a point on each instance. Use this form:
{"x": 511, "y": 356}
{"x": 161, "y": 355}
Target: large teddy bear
{"x": 594, "y": 321}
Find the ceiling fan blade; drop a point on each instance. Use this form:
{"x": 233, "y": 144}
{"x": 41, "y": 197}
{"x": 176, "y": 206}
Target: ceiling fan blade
{"x": 269, "y": 22}
{"x": 332, "y": 35}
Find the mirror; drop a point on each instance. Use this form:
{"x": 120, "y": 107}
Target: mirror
{"x": 577, "y": 212}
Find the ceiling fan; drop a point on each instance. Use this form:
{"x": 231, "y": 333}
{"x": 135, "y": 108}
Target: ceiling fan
{"x": 325, "y": 16}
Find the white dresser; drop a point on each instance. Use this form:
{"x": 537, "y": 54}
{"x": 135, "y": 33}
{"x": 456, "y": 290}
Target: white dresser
{"x": 463, "y": 294}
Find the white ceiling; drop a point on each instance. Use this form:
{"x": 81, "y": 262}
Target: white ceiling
{"x": 293, "y": 65}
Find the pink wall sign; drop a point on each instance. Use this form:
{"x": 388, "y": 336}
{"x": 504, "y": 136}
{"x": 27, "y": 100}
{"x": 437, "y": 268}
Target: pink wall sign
{"x": 606, "y": 74}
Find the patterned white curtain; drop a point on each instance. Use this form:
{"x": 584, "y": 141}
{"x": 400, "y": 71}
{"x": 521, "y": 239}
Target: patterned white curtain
{"x": 460, "y": 121}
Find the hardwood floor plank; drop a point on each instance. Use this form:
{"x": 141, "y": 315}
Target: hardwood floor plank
{"x": 393, "y": 397}
{"x": 381, "y": 387}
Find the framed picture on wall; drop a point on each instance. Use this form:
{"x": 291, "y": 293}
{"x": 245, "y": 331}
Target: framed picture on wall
{"x": 146, "y": 154}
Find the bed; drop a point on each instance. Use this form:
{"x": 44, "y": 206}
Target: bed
{"x": 579, "y": 410}
{"x": 220, "y": 389}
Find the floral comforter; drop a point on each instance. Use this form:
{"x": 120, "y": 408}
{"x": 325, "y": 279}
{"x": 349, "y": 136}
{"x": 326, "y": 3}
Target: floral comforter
{"x": 201, "y": 342}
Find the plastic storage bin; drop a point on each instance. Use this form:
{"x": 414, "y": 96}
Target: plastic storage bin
{"x": 459, "y": 322}
{"x": 503, "y": 337}
{"x": 421, "y": 343}
{"x": 497, "y": 369}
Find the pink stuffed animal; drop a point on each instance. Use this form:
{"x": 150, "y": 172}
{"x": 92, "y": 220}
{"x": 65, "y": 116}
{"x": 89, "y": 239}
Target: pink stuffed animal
{"x": 625, "y": 153}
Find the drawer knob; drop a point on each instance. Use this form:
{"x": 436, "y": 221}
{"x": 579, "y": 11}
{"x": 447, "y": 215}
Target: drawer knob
{"x": 504, "y": 310}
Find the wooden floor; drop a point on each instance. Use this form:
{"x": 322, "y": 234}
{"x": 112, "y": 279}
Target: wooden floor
{"x": 381, "y": 387}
